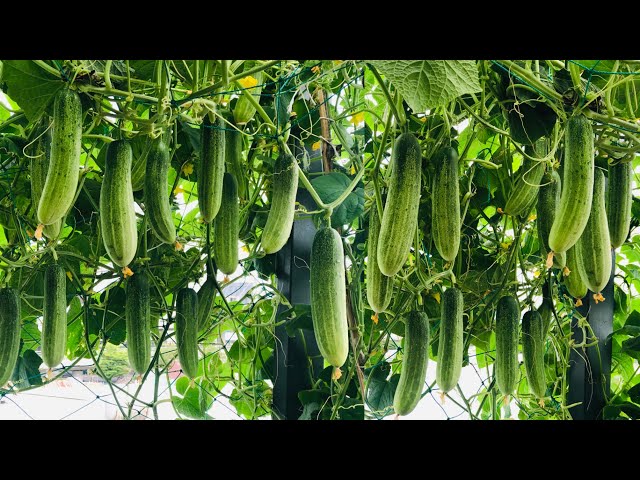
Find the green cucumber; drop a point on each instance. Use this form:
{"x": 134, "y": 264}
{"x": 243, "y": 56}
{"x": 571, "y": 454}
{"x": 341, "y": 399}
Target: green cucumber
{"x": 450, "y": 342}
{"x": 533, "y": 352}
{"x": 206, "y": 297}
{"x": 9, "y": 332}
{"x": 400, "y": 215}
{"x": 226, "y": 225}
{"x": 525, "y": 188}
{"x": 156, "y": 194}
{"x": 506, "y": 364}
{"x": 187, "y": 331}
{"x": 39, "y": 168}
{"x": 595, "y": 244}
{"x": 328, "y": 296}
{"x": 54, "y": 315}
{"x": 137, "y": 316}
{"x": 546, "y": 312}
{"x": 577, "y": 185}
{"x": 379, "y": 286}
{"x": 244, "y": 110}
{"x": 619, "y": 202}
{"x": 574, "y": 281}
{"x": 60, "y": 186}
{"x": 445, "y": 204}
{"x": 548, "y": 201}
{"x": 211, "y": 168}
{"x": 233, "y": 158}
{"x": 117, "y": 214}
{"x": 284, "y": 187}
{"x": 415, "y": 359}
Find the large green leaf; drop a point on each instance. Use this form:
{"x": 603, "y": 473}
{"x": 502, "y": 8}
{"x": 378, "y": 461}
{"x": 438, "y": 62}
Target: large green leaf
{"x": 30, "y": 86}
{"x": 430, "y": 83}
{"x": 330, "y": 187}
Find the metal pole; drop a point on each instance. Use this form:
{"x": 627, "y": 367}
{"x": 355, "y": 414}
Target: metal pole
{"x": 590, "y": 367}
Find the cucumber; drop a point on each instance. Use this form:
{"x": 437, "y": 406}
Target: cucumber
{"x": 328, "y": 296}
{"x": 445, "y": 204}
{"x": 450, "y": 343}
{"x": 547, "y": 315}
{"x": 379, "y": 286}
{"x": 283, "y": 203}
{"x": 9, "y": 332}
{"x": 233, "y": 158}
{"x": 415, "y": 358}
{"x": 244, "y": 110}
{"x": 137, "y": 316}
{"x": 139, "y": 163}
{"x": 54, "y": 315}
{"x": 206, "y": 297}
{"x": 59, "y": 189}
{"x": 187, "y": 331}
{"x": 117, "y": 214}
{"x": 533, "y": 352}
{"x": 211, "y": 168}
{"x": 400, "y": 215}
{"x": 574, "y": 282}
{"x": 577, "y": 185}
{"x": 39, "y": 168}
{"x": 506, "y": 364}
{"x": 156, "y": 192}
{"x": 619, "y": 202}
{"x": 548, "y": 201}
{"x": 525, "y": 188}
{"x": 595, "y": 244}
{"x": 227, "y": 228}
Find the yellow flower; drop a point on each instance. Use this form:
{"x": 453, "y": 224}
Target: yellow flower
{"x": 337, "y": 373}
{"x": 126, "y": 271}
{"x": 536, "y": 274}
{"x": 436, "y": 295}
{"x": 178, "y": 190}
{"x": 505, "y": 246}
{"x": 357, "y": 118}
{"x": 187, "y": 168}
{"x": 248, "y": 82}
{"x": 316, "y": 70}
{"x": 316, "y": 145}
{"x": 374, "y": 317}
{"x": 69, "y": 275}
{"x": 532, "y": 217}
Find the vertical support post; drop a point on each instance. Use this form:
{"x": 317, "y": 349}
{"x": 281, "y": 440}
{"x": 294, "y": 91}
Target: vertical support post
{"x": 293, "y": 366}
{"x": 590, "y": 367}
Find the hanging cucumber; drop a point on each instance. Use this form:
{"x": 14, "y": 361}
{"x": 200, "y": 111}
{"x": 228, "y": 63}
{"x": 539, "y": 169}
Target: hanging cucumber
{"x": 138, "y": 325}
{"x": 187, "y": 331}
{"x": 156, "y": 194}
{"x": 595, "y": 244}
{"x": 533, "y": 352}
{"x": 548, "y": 201}
{"x": 450, "y": 343}
{"x": 283, "y": 203}
{"x": 577, "y": 186}
{"x": 54, "y": 315}
{"x": 117, "y": 214}
{"x": 415, "y": 359}
{"x": 506, "y": 364}
{"x": 400, "y": 215}
{"x": 379, "y": 286}
{"x": 211, "y": 168}
{"x": 525, "y": 189}
{"x": 619, "y": 202}
{"x": 244, "y": 109}
{"x": 445, "y": 198}
{"x": 574, "y": 282}
{"x": 64, "y": 158}
{"x": 39, "y": 168}
{"x": 328, "y": 296}
{"x": 9, "y": 332}
{"x": 233, "y": 158}
{"x": 226, "y": 225}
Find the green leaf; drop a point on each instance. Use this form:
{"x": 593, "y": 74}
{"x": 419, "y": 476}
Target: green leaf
{"x": 430, "y": 83}
{"x": 330, "y": 187}
{"x": 380, "y": 391}
{"x": 30, "y": 86}
{"x": 634, "y": 393}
